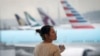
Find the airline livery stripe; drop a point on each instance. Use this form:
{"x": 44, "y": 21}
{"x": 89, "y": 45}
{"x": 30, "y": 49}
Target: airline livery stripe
{"x": 80, "y": 23}
{"x": 76, "y": 14}
{"x": 66, "y": 8}
{"x": 79, "y": 18}
{"x": 69, "y": 15}
{"x": 63, "y": 2}
{"x": 73, "y": 10}
{"x": 82, "y": 26}
{"x": 76, "y": 20}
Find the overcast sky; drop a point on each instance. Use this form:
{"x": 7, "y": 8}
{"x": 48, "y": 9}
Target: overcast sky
{"x": 9, "y": 7}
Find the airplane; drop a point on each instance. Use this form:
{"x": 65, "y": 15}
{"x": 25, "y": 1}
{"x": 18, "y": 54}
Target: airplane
{"x": 76, "y": 41}
{"x": 76, "y": 20}
{"x": 45, "y": 18}
{"x": 29, "y": 18}
{"x": 29, "y": 24}
{"x": 33, "y": 24}
{"x": 62, "y": 33}
{"x": 64, "y": 36}
{"x": 20, "y": 21}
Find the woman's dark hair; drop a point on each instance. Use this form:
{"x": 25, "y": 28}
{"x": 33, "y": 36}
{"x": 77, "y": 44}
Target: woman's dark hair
{"x": 44, "y": 30}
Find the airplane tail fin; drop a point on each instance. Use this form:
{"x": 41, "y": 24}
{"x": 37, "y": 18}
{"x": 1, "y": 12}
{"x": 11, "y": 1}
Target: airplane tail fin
{"x": 31, "y": 21}
{"x": 46, "y": 19}
{"x": 20, "y": 21}
{"x": 76, "y": 20}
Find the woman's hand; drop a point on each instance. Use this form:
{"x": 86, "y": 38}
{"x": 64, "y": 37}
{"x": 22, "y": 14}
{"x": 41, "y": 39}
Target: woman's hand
{"x": 62, "y": 48}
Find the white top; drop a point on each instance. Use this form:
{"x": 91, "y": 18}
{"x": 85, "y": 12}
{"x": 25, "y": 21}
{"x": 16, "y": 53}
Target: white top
{"x": 46, "y": 49}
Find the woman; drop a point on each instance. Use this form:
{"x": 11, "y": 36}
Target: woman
{"x": 47, "y": 48}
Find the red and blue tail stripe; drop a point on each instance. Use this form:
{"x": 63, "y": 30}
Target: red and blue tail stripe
{"x": 76, "y": 20}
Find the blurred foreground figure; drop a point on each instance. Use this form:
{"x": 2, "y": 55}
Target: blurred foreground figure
{"x": 47, "y": 48}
